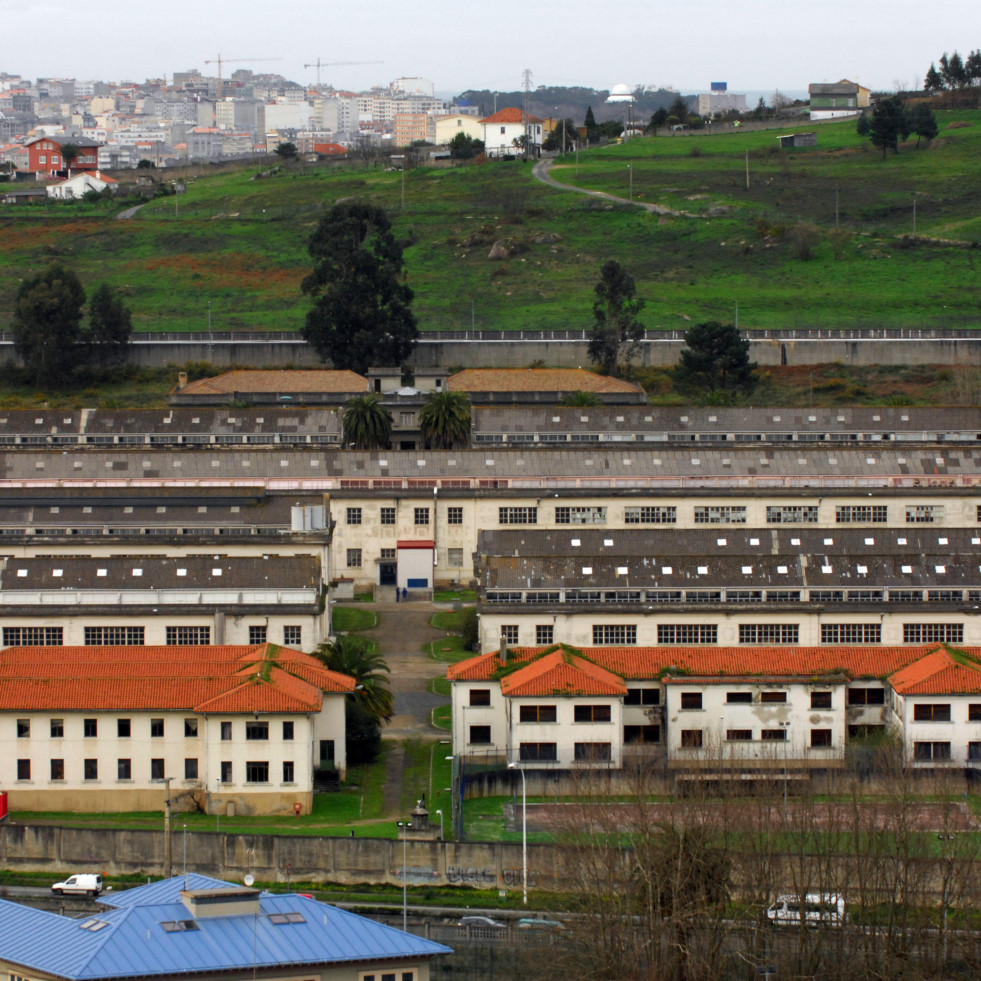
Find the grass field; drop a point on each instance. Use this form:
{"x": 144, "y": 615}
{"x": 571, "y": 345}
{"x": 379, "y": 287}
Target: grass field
{"x": 239, "y": 242}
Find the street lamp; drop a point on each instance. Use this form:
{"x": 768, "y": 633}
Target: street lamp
{"x": 404, "y": 826}
{"x": 441, "y": 832}
{"x": 524, "y": 832}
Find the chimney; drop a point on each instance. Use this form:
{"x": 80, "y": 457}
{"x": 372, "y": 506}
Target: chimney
{"x": 181, "y": 379}
{"x": 503, "y": 655}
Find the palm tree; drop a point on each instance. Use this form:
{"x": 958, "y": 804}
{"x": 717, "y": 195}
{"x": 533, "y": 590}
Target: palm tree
{"x": 580, "y": 398}
{"x": 445, "y": 419}
{"x": 352, "y": 656}
{"x": 367, "y": 423}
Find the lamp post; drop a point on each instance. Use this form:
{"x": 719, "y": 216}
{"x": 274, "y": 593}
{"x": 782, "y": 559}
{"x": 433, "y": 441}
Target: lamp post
{"x": 168, "y": 854}
{"x": 441, "y": 831}
{"x": 524, "y": 833}
{"x": 404, "y": 826}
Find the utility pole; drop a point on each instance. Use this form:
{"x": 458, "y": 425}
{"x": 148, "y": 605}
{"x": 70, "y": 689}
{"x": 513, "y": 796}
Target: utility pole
{"x": 168, "y": 854}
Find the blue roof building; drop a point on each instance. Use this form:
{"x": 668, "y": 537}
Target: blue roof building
{"x": 194, "y": 926}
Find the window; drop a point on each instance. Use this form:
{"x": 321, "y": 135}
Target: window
{"x": 257, "y": 633}
{"x": 23, "y": 769}
{"x": 156, "y": 728}
{"x": 90, "y": 728}
{"x": 580, "y": 516}
{"x": 865, "y": 731}
{"x": 293, "y": 635}
{"x": 354, "y": 558}
{"x": 636, "y": 735}
{"x": 326, "y": 751}
{"x": 537, "y": 753}
{"x": 517, "y": 516}
{"x": 124, "y": 728}
{"x": 454, "y": 516}
{"x": 33, "y": 636}
{"x": 928, "y": 633}
{"x": 691, "y": 738}
{"x": 57, "y": 769}
{"x": 739, "y": 735}
{"x": 124, "y": 769}
{"x": 187, "y": 636}
{"x": 691, "y": 700}
{"x": 480, "y": 696}
{"x": 544, "y": 634}
{"x": 974, "y": 712}
{"x": 157, "y": 769}
{"x": 23, "y": 728}
{"x": 592, "y": 752}
{"x": 288, "y": 772}
{"x": 924, "y": 514}
{"x": 57, "y": 728}
{"x": 974, "y": 752}
{"x": 256, "y": 730}
{"x": 768, "y": 633}
{"x": 454, "y": 558}
{"x": 931, "y": 751}
{"x": 722, "y": 515}
{"x": 257, "y": 771}
{"x": 851, "y": 633}
{"x": 190, "y": 728}
{"x": 687, "y": 633}
{"x": 875, "y": 514}
{"x": 773, "y": 696}
{"x": 480, "y": 735}
{"x": 927, "y": 712}
{"x": 773, "y": 735}
{"x": 642, "y": 696}
{"x": 287, "y": 732}
{"x": 614, "y": 633}
{"x": 226, "y": 771}
{"x": 354, "y": 516}
{"x": 190, "y": 768}
{"x": 387, "y": 516}
{"x": 90, "y": 769}
{"x": 650, "y": 515}
{"x": 420, "y": 516}
{"x": 820, "y": 738}
{"x": 226, "y": 731}
{"x": 792, "y": 514}
{"x": 537, "y": 713}
{"x": 509, "y": 633}
{"x": 387, "y": 554}
{"x": 592, "y": 713}
{"x": 820, "y": 699}
{"x": 739, "y": 697}
{"x": 866, "y": 696}
{"x": 113, "y": 636}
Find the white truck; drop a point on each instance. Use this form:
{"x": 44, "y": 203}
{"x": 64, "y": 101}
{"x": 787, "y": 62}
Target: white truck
{"x": 812, "y": 909}
{"x": 79, "y": 885}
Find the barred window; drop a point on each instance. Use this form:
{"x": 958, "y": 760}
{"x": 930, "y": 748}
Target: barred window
{"x": 517, "y": 516}
{"x": 687, "y": 633}
{"x": 257, "y": 633}
{"x": 180, "y": 636}
{"x": 387, "y": 554}
{"x": 614, "y": 633}
{"x": 650, "y": 515}
{"x": 580, "y": 516}
{"x": 773, "y": 735}
{"x": 387, "y": 516}
{"x": 768, "y": 633}
{"x": 744, "y": 595}
{"x": 722, "y": 515}
{"x": 33, "y": 636}
{"x": 875, "y": 514}
{"x": 929, "y": 633}
{"x": 945, "y": 595}
{"x": 739, "y": 735}
{"x": 851, "y": 633}
{"x": 924, "y": 514}
{"x": 420, "y": 516}
{"x": 827, "y": 595}
{"x": 544, "y": 634}
{"x": 354, "y": 558}
{"x": 792, "y": 514}
{"x": 592, "y": 752}
{"x": 783, "y": 596}
{"x": 114, "y": 636}
{"x": 864, "y": 595}
{"x": 354, "y": 516}
{"x": 293, "y": 635}
{"x": 255, "y": 730}
{"x": 454, "y": 516}
{"x": 691, "y": 738}
{"x": 905, "y": 595}
{"x": 537, "y": 752}
{"x": 509, "y": 633}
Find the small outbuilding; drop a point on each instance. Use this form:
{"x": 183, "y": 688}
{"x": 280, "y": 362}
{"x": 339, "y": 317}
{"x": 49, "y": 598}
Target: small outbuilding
{"x": 797, "y": 139}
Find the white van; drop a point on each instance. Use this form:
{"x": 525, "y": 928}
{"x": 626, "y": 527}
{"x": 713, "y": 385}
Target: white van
{"x": 79, "y": 885}
{"x": 816, "y": 909}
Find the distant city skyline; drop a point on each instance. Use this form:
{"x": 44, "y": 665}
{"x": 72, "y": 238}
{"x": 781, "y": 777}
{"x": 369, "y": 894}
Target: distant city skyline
{"x": 755, "y": 46}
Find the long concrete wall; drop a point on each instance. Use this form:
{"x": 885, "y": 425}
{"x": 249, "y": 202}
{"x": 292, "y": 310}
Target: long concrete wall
{"x": 563, "y": 349}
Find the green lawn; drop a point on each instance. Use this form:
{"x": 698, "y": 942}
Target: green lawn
{"x": 455, "y": 596}
{"x": 349, "y": 618}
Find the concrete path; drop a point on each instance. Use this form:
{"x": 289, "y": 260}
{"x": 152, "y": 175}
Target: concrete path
{"x": 129, "y": 212}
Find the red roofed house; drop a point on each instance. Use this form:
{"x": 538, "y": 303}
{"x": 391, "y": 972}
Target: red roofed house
{"x": 238, "y": 730}
{"x": 80, "y": 184}
{"x": 732, "y": 710}
{"x": 45, "y": 158}
{"x": 505, "y": 127}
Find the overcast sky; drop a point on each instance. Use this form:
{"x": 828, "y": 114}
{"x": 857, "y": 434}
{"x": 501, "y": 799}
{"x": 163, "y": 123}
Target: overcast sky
{"x": 754, "y": 45}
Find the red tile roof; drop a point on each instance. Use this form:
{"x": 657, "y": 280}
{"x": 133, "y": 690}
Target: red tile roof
{"x": 299, "y": 381}
{"x": 536, "y": 380}
{"x": 562, "y": 673}
{"x": 939, "y": 673}
{"x": 260, "y": 678}
{"x": 510, "y": 115}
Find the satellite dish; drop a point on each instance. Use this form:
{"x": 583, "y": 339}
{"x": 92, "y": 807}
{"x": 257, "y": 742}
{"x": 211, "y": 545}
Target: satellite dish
{"x": 249, "y": 879}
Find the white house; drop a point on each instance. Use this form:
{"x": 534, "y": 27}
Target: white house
{"x": 81, "y": 184}
{"x": 237, "y": 729}
{"x": 506, "y": 126}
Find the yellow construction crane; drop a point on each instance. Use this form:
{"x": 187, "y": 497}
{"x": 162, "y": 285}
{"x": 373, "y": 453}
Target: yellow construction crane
{"x": 219, "y": 61}
{"x": 318, "y": 64}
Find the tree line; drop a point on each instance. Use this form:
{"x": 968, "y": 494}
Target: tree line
{"x": 954, "y": 72}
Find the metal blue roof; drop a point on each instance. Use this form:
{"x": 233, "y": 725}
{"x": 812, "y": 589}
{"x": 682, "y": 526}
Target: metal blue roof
{"x": 134, "y": 943}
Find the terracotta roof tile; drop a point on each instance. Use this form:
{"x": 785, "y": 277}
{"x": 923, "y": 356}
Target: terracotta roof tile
{"x": 938, "y": 673}
{"x": 562, "y": 673}
{"x": 310, "y": 380}
{"x": 536, "y": 380}
{"x": 510, "y": 115}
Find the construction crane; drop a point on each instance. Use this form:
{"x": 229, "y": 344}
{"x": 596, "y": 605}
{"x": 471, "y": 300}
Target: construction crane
{"x": 219, "y": 61}
{"x": 318, "y": 64}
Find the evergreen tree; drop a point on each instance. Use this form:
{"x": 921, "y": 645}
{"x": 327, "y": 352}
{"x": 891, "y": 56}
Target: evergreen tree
{"x": 934, "y": 81}
{"x": 890, "y": 123}
{"x": 110, "y": 326}
{"x": 590, "y": 121}
{"x": 658, "y": 119}
{"x": 972, "y": 66}
{"x": 616, "y": 330}
{"x": 923, "y": 122}
{"x": 715, "y": 359}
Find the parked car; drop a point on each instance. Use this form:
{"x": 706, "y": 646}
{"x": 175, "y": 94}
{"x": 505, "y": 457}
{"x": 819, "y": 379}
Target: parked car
{"x": 79, "y": 885}
{"x": 539, "y": 923}
{"x": 484, "y": 922}
{"x": 812, "y": 909}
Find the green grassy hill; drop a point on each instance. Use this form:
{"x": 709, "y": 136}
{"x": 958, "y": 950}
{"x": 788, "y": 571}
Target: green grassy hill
{"x": 239, "y": 242}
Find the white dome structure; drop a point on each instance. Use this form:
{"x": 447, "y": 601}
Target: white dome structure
{"x": 620, "y": 93}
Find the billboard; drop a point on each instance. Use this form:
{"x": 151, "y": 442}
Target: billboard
{"x": 719, "y": 86}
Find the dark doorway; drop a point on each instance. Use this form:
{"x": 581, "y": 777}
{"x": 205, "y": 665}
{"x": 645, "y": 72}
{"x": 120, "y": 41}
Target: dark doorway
{"x": 386, "y": 573}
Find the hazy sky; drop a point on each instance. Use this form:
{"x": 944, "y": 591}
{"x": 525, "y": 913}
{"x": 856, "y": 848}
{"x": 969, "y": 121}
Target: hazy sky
{"x": 751, "y": 44}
